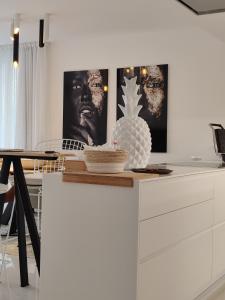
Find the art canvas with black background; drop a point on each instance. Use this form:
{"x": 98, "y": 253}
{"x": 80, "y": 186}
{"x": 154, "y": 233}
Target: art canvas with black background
{"x": 153, "y": 81}
{"x": 85, "y": 106}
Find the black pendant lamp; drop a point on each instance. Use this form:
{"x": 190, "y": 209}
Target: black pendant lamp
{"x": 43, "y": 30}
{"x": 16, "y": 29}
{"x": 16, "y": 49}
{"x": 41, "y": 33}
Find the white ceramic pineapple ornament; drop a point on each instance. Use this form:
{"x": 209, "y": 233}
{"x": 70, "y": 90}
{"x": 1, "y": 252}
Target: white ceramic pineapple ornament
{"x": 132, "y": 132}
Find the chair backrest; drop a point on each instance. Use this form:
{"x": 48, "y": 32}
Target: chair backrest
{"x": 60, "y": 144}
{"x": 65, "y": 146}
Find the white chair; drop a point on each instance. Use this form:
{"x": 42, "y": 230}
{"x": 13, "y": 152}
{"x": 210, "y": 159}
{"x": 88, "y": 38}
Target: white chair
{"x": 66, "y": 147}
{"x": 4, "y": 188}
{"x": 60, "y": 145}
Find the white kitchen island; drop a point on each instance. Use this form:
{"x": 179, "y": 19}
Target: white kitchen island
{"x": 163, "y": 239}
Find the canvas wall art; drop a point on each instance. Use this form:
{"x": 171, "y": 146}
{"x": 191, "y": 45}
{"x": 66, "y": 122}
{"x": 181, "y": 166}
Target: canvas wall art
{"x": 153, "y": 81}
{"x": 85, "y": 106}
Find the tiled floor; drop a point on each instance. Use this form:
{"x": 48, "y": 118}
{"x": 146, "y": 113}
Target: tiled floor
{"x": 11, "y": 290}
{"x": 10, "y": 284}
{"x": 10, "y": 281}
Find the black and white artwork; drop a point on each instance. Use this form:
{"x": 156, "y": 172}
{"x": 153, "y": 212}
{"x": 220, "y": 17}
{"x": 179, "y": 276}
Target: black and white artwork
{"x": 153, "y": 81}
{"x": 85, "y": 106}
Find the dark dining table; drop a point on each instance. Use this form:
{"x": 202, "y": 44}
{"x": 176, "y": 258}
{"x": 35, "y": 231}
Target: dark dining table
{"x": 24, "y": 210}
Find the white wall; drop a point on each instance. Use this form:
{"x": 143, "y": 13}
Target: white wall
{"x": 196, "y": 81}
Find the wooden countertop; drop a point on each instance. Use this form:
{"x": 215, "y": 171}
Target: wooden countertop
{"x": 125, "y": 179}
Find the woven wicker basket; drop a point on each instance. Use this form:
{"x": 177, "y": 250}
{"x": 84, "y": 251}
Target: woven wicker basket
{"x": 105, "y": 161}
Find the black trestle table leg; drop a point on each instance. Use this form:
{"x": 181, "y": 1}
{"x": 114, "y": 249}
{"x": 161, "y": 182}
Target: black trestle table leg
{"x": 20, "y": 180}
{"x": 21, "y": 237}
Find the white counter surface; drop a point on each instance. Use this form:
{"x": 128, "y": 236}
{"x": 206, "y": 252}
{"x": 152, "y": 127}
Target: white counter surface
{"x": 186, "y": 171}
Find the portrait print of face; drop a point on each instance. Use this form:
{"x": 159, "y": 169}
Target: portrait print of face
{"x": 85, "y": 106}
{"x": 153, "y": 81}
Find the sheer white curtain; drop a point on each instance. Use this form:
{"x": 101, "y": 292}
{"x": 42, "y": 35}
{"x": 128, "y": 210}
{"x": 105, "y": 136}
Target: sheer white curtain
{"x": 22, "y": 96}
{"x": 8, "y": 98}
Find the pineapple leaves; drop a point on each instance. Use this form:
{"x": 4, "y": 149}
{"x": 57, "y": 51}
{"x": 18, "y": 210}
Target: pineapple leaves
{"x": 122, "y": 109}
{"x": 138, "y": 109}
{"x": 130, "y": 98}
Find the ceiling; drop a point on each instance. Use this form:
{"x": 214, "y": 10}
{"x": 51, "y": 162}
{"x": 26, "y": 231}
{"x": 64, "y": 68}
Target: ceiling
{"x": 71, "y": 18}
{"x": 202, "y": 7}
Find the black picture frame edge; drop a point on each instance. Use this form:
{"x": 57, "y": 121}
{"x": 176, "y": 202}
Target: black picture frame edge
{"x": 201, "y": 13}
{"x": 140, "y": 65}
{"x": 85, "y": 70}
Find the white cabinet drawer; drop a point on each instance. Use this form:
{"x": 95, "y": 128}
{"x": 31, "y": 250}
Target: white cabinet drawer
{"x": 220, "y": 198}
{"x": 163, "y": 231}
{"x": 181, "y": 273}
{"x": 162, "y": 196}
{"x": 219, "y": 251}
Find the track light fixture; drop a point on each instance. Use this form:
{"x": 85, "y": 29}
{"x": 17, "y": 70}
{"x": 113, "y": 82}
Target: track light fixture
{"x": 16, "y": 49}
{"x": 43, "y": 31}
